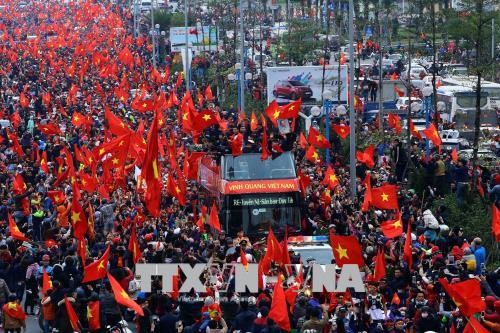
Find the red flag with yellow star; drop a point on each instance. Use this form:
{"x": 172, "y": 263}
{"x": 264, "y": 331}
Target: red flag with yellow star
{"x": 46, "y": 282}
{"x": 432, "y": 134}
{"x": 466, "y": 295}
{"x": 98, "y": 269}
{"x": 151, "y": 172}
{"x": 14, "y": 230}
{"x": 43, "y": 163}
{"x": 395, "y": 122}
{"x": 273, "y": 111}
{"x": 413, "y": 130}
{"x": 57, "y": 197}
{"x": 330, "y": 179}
{"x": 392, "y": 228}
{"x": 317, "y": 139}
{"x": 379, "y": 272}
{"x": 366, "y": 156}
{"x": 203, "y": 120}
{"x": 385, "y": 197}
{"x": 78, "y": 220}
{"x": 122, "y": 297}
{"x": 93, "y": 315}
{"x": 244, "y": 261}
{"x": 14, "y": 310}
{"x": 133, "y": 246}
{"x": 291, "y": 110}
{"x": 18, "y": 185}
{"x": 253, "y": 122}
{"x": 213, "y": 220}
{"x": 346, "y": 250}
{"x": 279, "y": 310}
{"x": 72, "y": 316}
{"x": 82, "y": 250}
{"x": 115, "y": 124}
{"x": 341, "y": 130}
{"x": 312, "y": 155}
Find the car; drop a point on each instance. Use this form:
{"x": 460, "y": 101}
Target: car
{"x": 311, "y": 247}
{"x": 292, "y": 89}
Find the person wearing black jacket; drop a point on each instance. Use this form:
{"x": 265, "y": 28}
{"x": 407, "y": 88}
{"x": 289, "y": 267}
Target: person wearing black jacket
{"x": 244, "y": 319}
{"x": 428, "y": 321}
{"x": 399, "y": 158}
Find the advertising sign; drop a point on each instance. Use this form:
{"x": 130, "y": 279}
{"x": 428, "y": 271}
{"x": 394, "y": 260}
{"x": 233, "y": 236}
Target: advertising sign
{"x": 199, "y": 38}
{"x": 287, "y": 84}
{"x": 260, "y": 186}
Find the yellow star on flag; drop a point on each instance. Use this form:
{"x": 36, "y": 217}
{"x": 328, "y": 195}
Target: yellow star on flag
{"x": 206, "y": 117}
{"x": 315, "y": 155}
{"x": 100, "y": 266}
{"x": 124, "y": 294}
{"x": 292, "y": 107}
{"x": 115, "y": 161}
{"x": 177, "y": 189}
{"x": 12, "y": 306}
{"x": 84, "y": 182}
{"x": 75, "y": 217}
{"x": 385, "y": 197}
{"x": 101, "y": 151}
{"x": 342, "y": 252}
{"x": 333, "y": 178}
{"x": 89, "y": 313}
{"x": 319, "y": 137}
{"x": 155, "y": 169}
{"x": 397, "y": 224}
{"x": 276, "y": 114}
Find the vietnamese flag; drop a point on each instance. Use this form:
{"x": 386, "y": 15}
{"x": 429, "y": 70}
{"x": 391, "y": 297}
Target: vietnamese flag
{"x": 379, "y": 272}
{"x": 43, "y": 163}
{"x": 366, "y": 156}
{"x": 394, "y": 228}
{"x": 24, "y": 101}
{"x": 413, "y": 131}
{"x": 18, "y": 185}
{"x": 14, "y": 310}
{"x": 150, "y": 171}
{"x": 317, "y": 139}
{"x": 93, "y": 312}
{"x": 385, "y": 197}
{"x": 279, "y": 309}
{"x": 213, "y": 220}
{"x": 346, "y": 250}
{"x": 72, "y": 316}
{"x": 330, "y": 179}
{"x": 302, "y": 141}
{"x": 253, "y": 122}
{"x": 82, "y": 250}
{"x": 122, "y": 297}
{"x": 14, "y": 230}
{"x": 98, "y": 269}
{"x": 244, "y": 260}
{"x": 115, "y": 124}
{"x": 466, "y": 295}
{"x": 312, "y": 155}
{"x": 291, "y": 110}
{"x": 78, "y": 219}
{"x": 49, "y": 129}
{"x": 408, "y": 248}
{"x": 133, "y": 246}
{"x": 341, "y": 130}
{"x": 304, "y": 182}
{"x": 367, "y": 200}
{"x": 432, "y": 134}
{"x": 57, "y": 197}
{"x": 495, "y": 222}
{"x": 46, "y": 282}
{"x": 208, "y": 94}
{"x": 265, "y": 145}
{"x": 474, "y": 326}
{"x": 273, "y": 111}
{"x": 395, "y": 299}
{"x": 454, "y": 155}
{"x": 395, "y": 122}
{"x": 203, "y": 120}
{"x": 398, "y": 91}
{"x": 236, "y": 144}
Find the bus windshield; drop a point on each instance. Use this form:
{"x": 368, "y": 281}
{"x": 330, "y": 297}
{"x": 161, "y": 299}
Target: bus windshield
{"x": 255, "y": 213}
{"x": 251, "y": 167}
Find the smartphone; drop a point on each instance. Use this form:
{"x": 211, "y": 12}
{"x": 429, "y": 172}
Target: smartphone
{"x": 451, "y": 260}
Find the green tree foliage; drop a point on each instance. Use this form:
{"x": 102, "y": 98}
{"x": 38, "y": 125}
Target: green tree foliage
{"x": 166, "y": 19}
{"x": 299, "y": 41}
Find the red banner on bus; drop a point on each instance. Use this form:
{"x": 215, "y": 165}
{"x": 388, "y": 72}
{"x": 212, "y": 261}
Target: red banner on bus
{"x": 260, "y": 186}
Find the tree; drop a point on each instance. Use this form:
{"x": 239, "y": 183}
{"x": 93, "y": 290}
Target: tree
{"x": 299, "y": 41}
{"x": 472, "y": 22}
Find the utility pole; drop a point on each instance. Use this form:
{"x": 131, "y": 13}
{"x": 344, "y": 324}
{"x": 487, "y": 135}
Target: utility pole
{"x": 153, "y": 32}
{"x": 136, "y": 18}
{"x": 242, "y": 59}
{"x": 187, "y": 75}
{"x": 381, "y": 76}
{"x": 352, "y": 115}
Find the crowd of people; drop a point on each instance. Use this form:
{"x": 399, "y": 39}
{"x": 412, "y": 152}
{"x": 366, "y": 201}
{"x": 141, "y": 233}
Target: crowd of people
{"x": 66, "y": 77}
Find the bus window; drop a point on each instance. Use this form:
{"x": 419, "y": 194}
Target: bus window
{"x": 251, "y": 167}
{"x": 470, "y": 101}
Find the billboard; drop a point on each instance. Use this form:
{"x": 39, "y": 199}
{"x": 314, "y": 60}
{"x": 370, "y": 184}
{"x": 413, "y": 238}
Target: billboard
{"x": 287, "y": 84}
{"x": 199, "y": 39}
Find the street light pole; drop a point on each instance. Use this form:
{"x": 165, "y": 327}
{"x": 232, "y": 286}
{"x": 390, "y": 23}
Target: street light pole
{"x": 242, "y": 60}
{"x": 187, "y": 75}
{"x": 381, "y": 77}
{"x": 153, "y": 32}
{"x": 352, "y": 115}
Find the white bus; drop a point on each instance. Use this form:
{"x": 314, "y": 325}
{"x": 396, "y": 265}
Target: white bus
{"x": 458, "y": 105}
{"x": 492, "y": 88}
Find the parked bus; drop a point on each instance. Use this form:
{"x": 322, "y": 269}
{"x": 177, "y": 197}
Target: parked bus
{"x": 492, "y": 88}
{"x": 253, "y": 195}
{"x": 460, "y": 107}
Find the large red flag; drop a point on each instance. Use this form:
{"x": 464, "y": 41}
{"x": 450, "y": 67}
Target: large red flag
{"x": 115, "y": 124}
{"x": 312, "y": 155}
{"x": 14, "y": 230}
{"x": 394, "y": 228}
{"x": 133, "y": 246}
{"x": 466, "y": 295}
{"x": 236, "y": 144}
{"x": 395, "y": 122}
{"x": 385, "y": 197}
{"x": 46, "y": 282}
{"x": 368, "y": 194}
{"x": 93, "y": 315}
{"x": 122, "y": 297}
{"x": 341, "y": 130}
{"x": 408, "y": 249}
{"x": 208, "y": 94}
{"x": 72, "y": 316}
{"x": 346, "y": 250}
{"x": 330, "y": 179}
{"x": 279, "y": 310}
{"x": 273, "y": 111}
{"x": 203, "y": 120}
{"x": 291, "y": 110}
{"x": 98, "y": 269}
{"x": 213, "y": 220}
{"x": 253, "y": 122}
{"x": 432, "y": 134}
{"x": 151, "y": 172}
{"x": 317, "y": 139}
{"x": 413, "y": 130}
{"x": 366, "y": 156}
{"x": 474, "y": 326}
{"x": 78, "y": 219}
{"x": 379, "y": 272}
{"x": 14, "y": 310}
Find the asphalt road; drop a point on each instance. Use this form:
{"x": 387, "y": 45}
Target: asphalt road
{"x": 32, "y": 325}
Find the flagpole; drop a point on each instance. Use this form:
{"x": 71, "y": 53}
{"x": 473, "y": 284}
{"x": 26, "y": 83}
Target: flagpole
{"x": 186, "y": 69}
{"x": 242, "y": 60}
{"x": 153, "y": 32}
{"x": 352, "y": 115}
